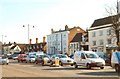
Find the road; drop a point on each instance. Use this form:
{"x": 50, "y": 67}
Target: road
{"x": 15, "y": 69}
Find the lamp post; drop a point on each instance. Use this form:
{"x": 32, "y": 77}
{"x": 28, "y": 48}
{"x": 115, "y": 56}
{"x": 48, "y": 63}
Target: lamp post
{"x": 61, "y": 43}
{"x": 3, "y": 43}
{"x": 28, "y": 33}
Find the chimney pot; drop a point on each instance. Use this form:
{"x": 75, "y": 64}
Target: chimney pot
{"x": 36, "y": 40}
{"x": 44, "y": 39}
{"x": 30, "y": 42}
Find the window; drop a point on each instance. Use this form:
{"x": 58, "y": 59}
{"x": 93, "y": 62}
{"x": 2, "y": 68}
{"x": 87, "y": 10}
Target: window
{"x": 93, "y": 34}
{"x": 82, "y": 56}
{"x": 94, "y": 43}
{"x": 100, "y": 33}
{"x": 101, "y": 42}
{"x": 77, "y": 46}
{"x": 109, "y": 41}
{"x": 91, "y": 55}
{"x": 71, "y": 46}
{"x": 109, "y": 32}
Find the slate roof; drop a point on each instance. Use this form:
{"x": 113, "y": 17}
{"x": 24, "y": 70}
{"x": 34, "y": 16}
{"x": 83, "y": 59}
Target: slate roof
{"x": 104, "y": 21}
{"x": 13, "y": 47}
{"x": 77, "y": 37}
{"x": 67, "y": 30}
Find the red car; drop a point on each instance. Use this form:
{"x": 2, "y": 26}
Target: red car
{"x": 21, "y": 57}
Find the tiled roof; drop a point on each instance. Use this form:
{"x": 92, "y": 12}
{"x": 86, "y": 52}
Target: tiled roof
{"x": 67, "y": 30}
{"x": 13, "y": 47}
{"x": 77, "y": 38}
{"x": 104, "y": 21}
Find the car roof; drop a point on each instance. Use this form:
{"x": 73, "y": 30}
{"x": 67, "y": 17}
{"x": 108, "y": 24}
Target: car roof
{"x": 85, "y": 51}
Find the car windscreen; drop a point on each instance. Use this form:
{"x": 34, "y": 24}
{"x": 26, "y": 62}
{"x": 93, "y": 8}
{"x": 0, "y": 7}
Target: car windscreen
{"x": 15, "y": 55}
{"x": 24, "y": 56}
{"x": 62, "y": 56}
{"x": 91, "y": 55}
{"x": 32, "y": 56}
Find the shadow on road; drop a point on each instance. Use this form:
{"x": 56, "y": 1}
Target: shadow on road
{"x": 68, "y": 68}
{"x": 111, "y": 73}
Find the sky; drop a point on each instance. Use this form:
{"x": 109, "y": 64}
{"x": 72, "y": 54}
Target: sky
{"x": 47, "y": 14}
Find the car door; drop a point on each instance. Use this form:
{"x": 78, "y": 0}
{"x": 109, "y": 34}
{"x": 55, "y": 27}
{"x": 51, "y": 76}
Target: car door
{"x": 83, "y": 59}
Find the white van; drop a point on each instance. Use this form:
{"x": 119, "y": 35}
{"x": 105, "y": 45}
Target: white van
{"x": 115, "y": 61}
{"x": 88, "y": 59}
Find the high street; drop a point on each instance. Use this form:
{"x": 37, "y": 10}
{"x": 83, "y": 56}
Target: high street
{"x": 15, "y": 69}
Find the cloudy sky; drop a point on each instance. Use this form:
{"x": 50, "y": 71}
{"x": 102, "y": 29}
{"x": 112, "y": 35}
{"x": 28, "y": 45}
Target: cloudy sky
{"x": 47, "y": 14}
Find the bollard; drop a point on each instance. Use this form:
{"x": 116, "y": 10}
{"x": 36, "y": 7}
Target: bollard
{"x": 45, "y": 61}
{"x": 56, "y": 61}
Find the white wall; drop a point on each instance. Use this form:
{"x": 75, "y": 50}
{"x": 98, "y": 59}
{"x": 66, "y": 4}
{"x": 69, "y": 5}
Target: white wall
{"x": 57, "y": 42}
{"x": 104, "y": 37}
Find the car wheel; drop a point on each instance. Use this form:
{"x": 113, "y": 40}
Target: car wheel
{"x": 6, "y": 63}
{"x": 29, "y": 61}
{"x": 76, "y": 66}
{"x": 88, "y": 66}
{"x": 61, "y": 63}
{"x": 51, "y": 63}
{"x": 25, "y": 61}
{"x": 71, "y": 64}
{"x": 36, "y": 62}
{"x": 117, "y": 68}
{"x": 42, "y": 63}
{"x": 101, "y": 67}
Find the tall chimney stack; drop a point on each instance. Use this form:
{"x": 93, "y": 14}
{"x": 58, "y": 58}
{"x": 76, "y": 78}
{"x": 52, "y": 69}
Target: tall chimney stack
{"x": 36, "y": 40}
{"x": 30, "y": 42}
{"x": 44, "y": 39}
{"x": 52, "y": 31}
{"x": 66, "y": 28}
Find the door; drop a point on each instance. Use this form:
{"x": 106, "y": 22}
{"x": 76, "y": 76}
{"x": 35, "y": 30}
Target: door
{"x": 83, "y": 59}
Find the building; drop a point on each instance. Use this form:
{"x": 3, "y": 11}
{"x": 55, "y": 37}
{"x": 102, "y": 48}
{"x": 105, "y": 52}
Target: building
{"x": 20, "y": 48}
{"x": 37, "y": 46}
{"x": 102, "y": 36}
{"x": 59, "y": 41}
{"x": 79, "y": 42}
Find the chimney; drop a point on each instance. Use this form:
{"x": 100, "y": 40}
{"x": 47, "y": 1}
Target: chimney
{"x": 9, "y": 43}
{"x": 44, "y": 39}
{"x": 66, "y": 28}
{"x": 52, "y": 30}
{"x": 36, "y": 40}
{"x": 30, "y": 42}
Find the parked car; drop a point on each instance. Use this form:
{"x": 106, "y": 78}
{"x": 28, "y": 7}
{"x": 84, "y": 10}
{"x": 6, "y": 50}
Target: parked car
{"x": 42, "y": 59}
{"x": 14, "y": 56}
{"x": 88, "y": 59}
{"x": 63, "y": 60}
{"x": 21, "y": 57}
{"x": 115, "y": 61}
{"x": 4, "y": 60}
{"x": 30, "y": 58}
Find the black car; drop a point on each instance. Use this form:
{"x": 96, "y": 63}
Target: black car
{"x": 42, "y": 59}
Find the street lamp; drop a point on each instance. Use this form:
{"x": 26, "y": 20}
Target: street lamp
{"x": 28, "y": 34}
{"x": 3, "y": 43}
{"x": 3, "y": 38}
{"x": 28, "y": 31}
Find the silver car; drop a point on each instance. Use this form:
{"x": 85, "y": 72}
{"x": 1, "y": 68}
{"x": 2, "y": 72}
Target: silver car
{"x": 30, "y": 58}
{"x": 4, "y": 60}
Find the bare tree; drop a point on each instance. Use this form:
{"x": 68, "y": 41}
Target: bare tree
{"x": 114, "y": 15}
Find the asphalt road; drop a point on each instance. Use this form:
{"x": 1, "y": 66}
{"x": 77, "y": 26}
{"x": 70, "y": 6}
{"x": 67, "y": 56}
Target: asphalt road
{"x": 33, "y": 71}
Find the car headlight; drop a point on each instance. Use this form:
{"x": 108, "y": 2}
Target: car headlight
{"x": 91, "y": 61}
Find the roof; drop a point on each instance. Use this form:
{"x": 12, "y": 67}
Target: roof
{"x": 69, "y": 29}
{"x": 77, "y": 37}
{"x": 13, "y": 47}
{"x": 104, "y": 21}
